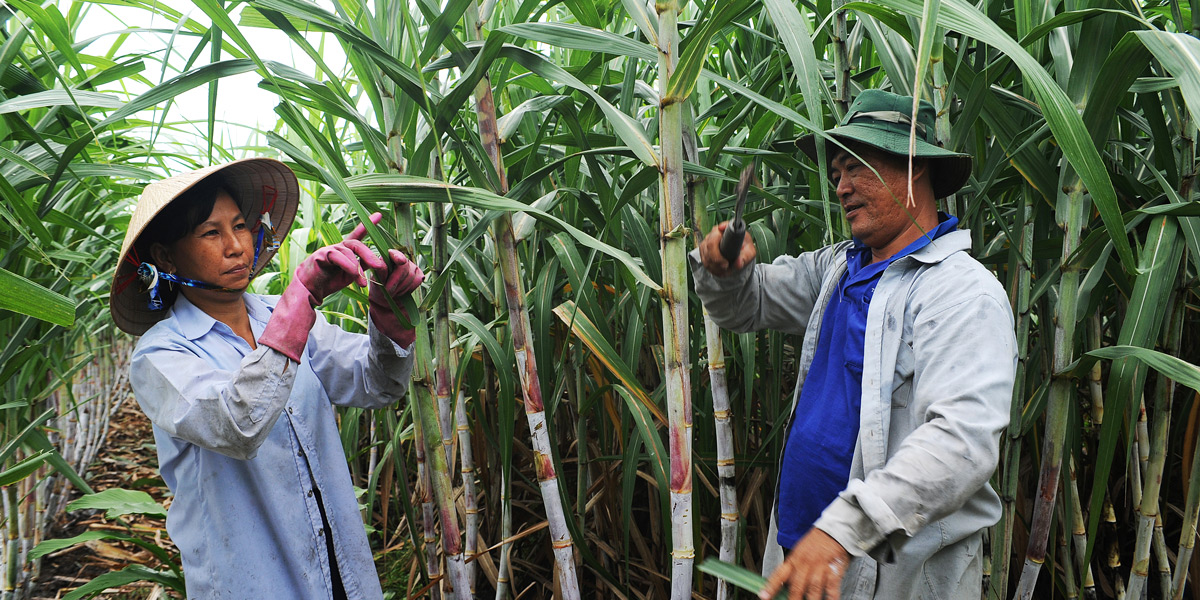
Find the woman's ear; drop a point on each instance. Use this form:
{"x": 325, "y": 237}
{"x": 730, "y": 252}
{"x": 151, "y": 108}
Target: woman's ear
{"x": 162, "y": 257}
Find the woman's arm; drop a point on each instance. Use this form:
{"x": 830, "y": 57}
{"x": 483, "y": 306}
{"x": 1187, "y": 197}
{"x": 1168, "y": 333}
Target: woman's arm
{"x": 367, "y": 371}
{"x": 230, "y": 412}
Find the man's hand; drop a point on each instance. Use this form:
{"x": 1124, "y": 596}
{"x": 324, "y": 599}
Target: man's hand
{"x": 813, "y": 569}
{"x": 710, "y": 252}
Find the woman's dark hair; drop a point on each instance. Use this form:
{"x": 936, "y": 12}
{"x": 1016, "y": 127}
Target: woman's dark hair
{"x": 183, "y": 214}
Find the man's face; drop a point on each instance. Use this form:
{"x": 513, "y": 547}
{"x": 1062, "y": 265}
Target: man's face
{"x": 875, "y": 205}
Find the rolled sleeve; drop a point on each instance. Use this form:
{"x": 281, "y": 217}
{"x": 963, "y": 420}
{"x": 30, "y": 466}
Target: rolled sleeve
{"x": 230, "y": 412}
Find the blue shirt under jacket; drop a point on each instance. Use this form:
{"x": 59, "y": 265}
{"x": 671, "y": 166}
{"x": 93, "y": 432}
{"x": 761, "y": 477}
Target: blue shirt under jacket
{"x": 820, "y": 445}
{"x": 248, "y": 443}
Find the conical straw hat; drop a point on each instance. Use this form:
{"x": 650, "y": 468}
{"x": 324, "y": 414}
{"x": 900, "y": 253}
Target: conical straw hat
{"x": 254, "y": 181}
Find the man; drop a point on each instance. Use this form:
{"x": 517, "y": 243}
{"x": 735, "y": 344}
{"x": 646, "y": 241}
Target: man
{"x": 905, "y": 376}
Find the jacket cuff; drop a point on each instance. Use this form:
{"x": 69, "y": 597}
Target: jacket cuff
{"x": 865, "y": 527}
{"x": 705, "y": 281}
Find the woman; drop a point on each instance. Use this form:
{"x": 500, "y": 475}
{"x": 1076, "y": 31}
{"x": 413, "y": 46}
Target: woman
{"x": 239, "y": 386}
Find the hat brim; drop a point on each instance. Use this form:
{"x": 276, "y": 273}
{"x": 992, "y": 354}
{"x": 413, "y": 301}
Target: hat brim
{"x": 256, "y": 181}
{"x": 950, "y": 172}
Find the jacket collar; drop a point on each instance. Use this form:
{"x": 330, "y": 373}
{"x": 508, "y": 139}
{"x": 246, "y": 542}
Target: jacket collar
{"x": 942, "y": 247}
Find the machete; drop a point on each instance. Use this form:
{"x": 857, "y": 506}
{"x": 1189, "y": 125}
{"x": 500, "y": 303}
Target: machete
{"x": 735, "y": 232}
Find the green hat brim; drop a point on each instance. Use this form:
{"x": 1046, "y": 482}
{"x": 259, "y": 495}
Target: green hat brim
{"x": 950, "y": 169}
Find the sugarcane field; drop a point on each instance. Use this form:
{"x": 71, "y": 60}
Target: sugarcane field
{"x": 613, "y": 299}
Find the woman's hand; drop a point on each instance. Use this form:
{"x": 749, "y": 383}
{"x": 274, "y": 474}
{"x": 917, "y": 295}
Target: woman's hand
{"x": 336, "y": 266}
{"x": 395, "y": 280}
{"x": 324, "y": 272}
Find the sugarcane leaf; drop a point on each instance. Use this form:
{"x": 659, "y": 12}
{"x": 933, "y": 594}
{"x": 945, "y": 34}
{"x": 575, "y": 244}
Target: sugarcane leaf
{"x": 645, "y": 22}
{"x": 130, "y": 574}
{"x": 6, "y": 154}
{"x": 740, "y": 576}
{"x": 1073, "y": 17}
{"x": 51, "y": 98}
{"x": 696, "y": 47}
{"x": 23, "y": 296}
{"x": 501, "y": 357}
{"x": 1177, "y": 369}
{"x": 378, "y": 187}
{"x": 51, "y": 546}
{"x": 596, "y": 341}
{"x": 22, "y": 469}
{"x": 630, "y": 132}
{"x": 1180, "y": 55}
{"x": 579, "y": 37}
{"x": 317, "y": 18}
{"x": 24, "y": 217}
{"x": 117, "y": 502}
{"x": 796, "y": 32}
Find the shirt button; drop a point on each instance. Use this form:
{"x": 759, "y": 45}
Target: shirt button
{"x": 310, "y": 493}
{"x": 289, "y": 410}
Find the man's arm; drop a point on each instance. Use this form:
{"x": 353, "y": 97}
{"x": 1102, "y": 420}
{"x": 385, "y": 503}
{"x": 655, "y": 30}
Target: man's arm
{"x": 749, "y": 296}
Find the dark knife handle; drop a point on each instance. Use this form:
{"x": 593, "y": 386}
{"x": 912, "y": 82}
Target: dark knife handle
{"x": 731, "y": 240}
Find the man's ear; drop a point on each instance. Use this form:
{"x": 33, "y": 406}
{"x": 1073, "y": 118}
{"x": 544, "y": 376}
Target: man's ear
{"x": 920, "y": 168}
{"x": 162, "y": 257}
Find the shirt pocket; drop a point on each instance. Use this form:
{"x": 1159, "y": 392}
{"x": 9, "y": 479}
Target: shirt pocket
{"x": 902, "y": 377}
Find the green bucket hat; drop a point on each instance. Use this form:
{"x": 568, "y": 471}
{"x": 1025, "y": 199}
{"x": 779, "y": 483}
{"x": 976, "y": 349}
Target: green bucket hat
{"x": 883, "y": 120}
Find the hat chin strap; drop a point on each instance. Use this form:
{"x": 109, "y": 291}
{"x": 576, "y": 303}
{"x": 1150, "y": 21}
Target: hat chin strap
{"x": 149, "y": 274}
{"x": 153, "y": 278}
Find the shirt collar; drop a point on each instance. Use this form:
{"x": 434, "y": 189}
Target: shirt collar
{"x": 859, "y": 255}
{"x": 194, "y": 323}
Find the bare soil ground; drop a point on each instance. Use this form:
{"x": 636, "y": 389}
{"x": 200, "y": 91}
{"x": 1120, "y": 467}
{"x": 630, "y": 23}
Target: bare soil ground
{"x": 127, "y": 460}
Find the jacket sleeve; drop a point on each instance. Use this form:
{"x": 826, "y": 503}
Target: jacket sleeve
{"x": 776, "y": 296}
{"x": 366, "y": 371}
{"x": 230, "y": 412}
{"x": 964, "y": 366}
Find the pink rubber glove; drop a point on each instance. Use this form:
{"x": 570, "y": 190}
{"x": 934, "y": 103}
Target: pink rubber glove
{"x": 399, "y": 279}
{"x": 324, "y": 272}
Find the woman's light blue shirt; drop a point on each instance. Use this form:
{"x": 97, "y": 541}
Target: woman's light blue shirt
{"x": 245, "y": 436}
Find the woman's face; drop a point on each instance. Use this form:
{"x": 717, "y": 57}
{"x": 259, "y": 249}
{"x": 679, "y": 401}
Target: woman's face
{"x": 218, "y": 251}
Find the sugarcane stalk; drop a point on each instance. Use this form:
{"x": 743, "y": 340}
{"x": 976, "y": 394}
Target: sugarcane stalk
{"x": 535, "y": 411}
{"x": 1095, "y": 387}
{"x": 423, "y": 379}
{"x": 428, "y": 515}
{"x": 441, "y": 337}
{"x": 514, "y": 293}
{"x": 504, "y": 571}
{"x": 841, "y": 58}
{"x": 470, "y": 495}
{"x": 424, "y": 409}
{"x": 674, "y": 296}
{"x": 1079, "y": 529}
{"x": 1011, "y": 460}
{"x": 1062, "y": 391}
{"x": 722, "y": 411}
{"x": 726, "y": 468}
{"x": 1187, "y": 533}
{"x": 12, "y": 544}
{"x": 1109, "y": 517}
{"x": 1064, "y": 552}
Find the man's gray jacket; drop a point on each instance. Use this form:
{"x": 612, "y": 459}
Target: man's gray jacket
{"x": 938, "y": 368}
